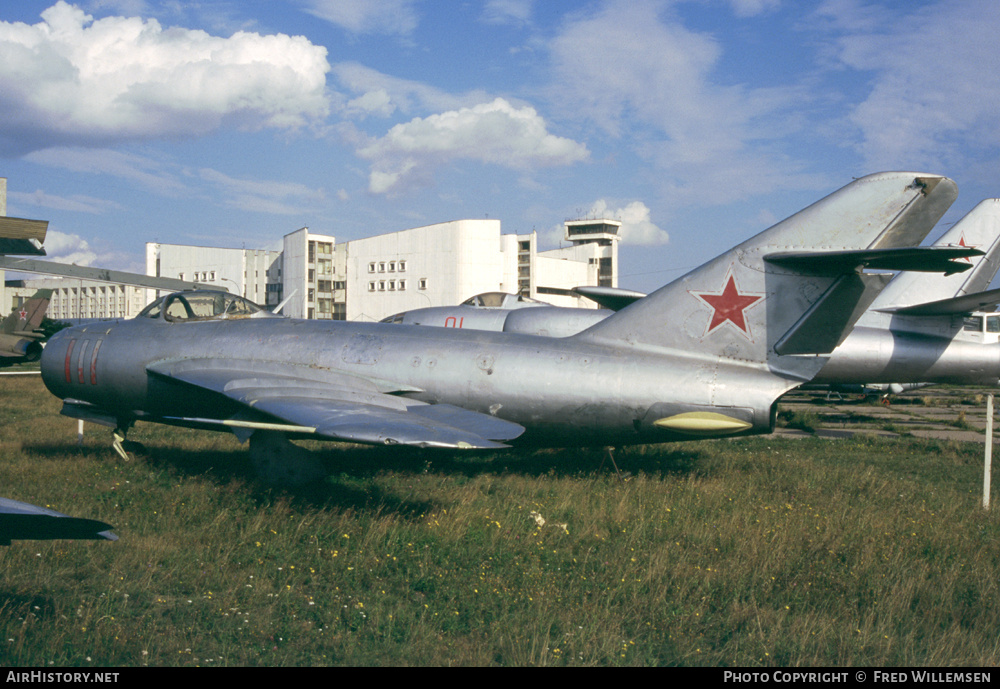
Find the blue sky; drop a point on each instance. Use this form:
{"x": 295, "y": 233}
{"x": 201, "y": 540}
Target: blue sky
{"x": 696, "y": 122}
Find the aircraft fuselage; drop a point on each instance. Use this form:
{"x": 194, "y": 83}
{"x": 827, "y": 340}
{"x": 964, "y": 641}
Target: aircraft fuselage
{"x": 561, "y": 390}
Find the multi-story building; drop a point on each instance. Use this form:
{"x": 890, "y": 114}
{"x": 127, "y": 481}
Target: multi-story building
{"x": 85, "y": 299}
{"x": 311, "y": 276}
{"x": 371, "y": 278}
{"x": 241, "y": 271}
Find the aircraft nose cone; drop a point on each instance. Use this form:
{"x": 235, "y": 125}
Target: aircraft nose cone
{"x": 55, "y": 362}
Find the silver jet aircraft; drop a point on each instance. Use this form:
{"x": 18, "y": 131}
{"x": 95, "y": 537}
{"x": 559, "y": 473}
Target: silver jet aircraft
{"x": 705, "y": 356}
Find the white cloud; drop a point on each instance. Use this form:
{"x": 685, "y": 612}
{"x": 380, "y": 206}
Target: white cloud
{"x": 750, "y": 8}
{"x": 73, "y": 79}
{"x": 383, "y": 94}
{"x": 280, "y": 198}
{"x": 496, "y": 133}
{"x": 637, "y": 228}
{"x": 637, "y": 73}
{"x": 377, "y": 102}
{"x": 935, "y": 81}
{"x": 78, "y": 203}
{"x": 508, "y": 11}
{"x": 144, "y": 171}
{"x": 367, "y": 16}
{"x": 68, "y": 248}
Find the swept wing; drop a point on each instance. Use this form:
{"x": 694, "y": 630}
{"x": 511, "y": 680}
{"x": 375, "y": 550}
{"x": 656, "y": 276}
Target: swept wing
{"x": 335, "y": 405}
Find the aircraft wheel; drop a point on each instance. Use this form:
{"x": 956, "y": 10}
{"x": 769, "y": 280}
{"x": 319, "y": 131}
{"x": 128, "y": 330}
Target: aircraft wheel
{"x": 278, "y": 461}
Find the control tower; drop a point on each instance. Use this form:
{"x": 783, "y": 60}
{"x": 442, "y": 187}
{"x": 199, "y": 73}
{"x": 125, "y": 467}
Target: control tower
{"x": 603, "y": 235}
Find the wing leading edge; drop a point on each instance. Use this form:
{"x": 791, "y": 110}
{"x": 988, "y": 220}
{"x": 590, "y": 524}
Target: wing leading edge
{"x": 336, "y": 405}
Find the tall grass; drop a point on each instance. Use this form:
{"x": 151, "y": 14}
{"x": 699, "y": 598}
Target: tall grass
{"x": 752, "y": 552}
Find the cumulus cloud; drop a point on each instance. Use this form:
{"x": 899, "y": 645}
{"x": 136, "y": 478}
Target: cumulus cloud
{"x": 496, "y": 133}
{"x": 934, "y": 75}
{"x": 74, "y": 79}
{"x": 637, "y": 228}
{"x": 368, "y": 17}
{"x": 68, "y": 248}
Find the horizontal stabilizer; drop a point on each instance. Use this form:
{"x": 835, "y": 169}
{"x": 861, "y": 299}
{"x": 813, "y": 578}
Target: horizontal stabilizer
{"x": 613, "y": 298}
{"x": 927, "y": 259}
{"x": 830, "y": 320}
{"x": 980, "y": 301}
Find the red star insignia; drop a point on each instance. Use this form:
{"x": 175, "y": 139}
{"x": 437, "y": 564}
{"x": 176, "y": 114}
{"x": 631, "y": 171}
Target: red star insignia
{"x": 961, "y": 243}
{"x": 23, "y": 314}
{"x": 729, "y": 305}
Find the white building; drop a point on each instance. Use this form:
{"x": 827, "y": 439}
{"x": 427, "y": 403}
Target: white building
{"x": 241, "y": 271}
{"x": 73, "y": 298}
{"x": 311, "y": 277}
{"x": 375, "y": 277}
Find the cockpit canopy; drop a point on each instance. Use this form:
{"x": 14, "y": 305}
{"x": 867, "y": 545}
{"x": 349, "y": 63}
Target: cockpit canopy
{"x": 202, "y": 305}
{"x": 497, "y": 300}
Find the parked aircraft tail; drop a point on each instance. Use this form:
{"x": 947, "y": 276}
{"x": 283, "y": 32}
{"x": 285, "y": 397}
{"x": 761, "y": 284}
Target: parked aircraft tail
{"x": 797, "y": 287}
{"x": 27, "y": 318}
{"x": 980, "y": 229}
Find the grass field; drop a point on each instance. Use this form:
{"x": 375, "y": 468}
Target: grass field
{"x": 756, "y": 552}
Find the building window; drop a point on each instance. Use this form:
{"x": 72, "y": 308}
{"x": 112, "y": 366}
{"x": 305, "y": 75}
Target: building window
{"x": 392, "y": 266}
{"x": 371, "y": 286}
{"x": 381, "y": 267}
{"x": 381, "y": 285}
{"x": 402, "y": 266}
{"x": 422, "y": 284}
{"x": 392, "y": 285}
{"x": 213, "y": 275}
{"x": 402, "y": 284}
{"x": 371, "y": 267}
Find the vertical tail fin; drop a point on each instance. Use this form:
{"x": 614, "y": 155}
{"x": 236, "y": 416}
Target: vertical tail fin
{"x": 29, "y": 316}
{"x": 738, "y": 307}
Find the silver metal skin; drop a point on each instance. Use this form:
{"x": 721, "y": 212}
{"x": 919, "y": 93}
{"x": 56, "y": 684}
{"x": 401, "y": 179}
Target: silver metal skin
{"x": 538, "y": 319}
{"x": 698, "y": 358}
